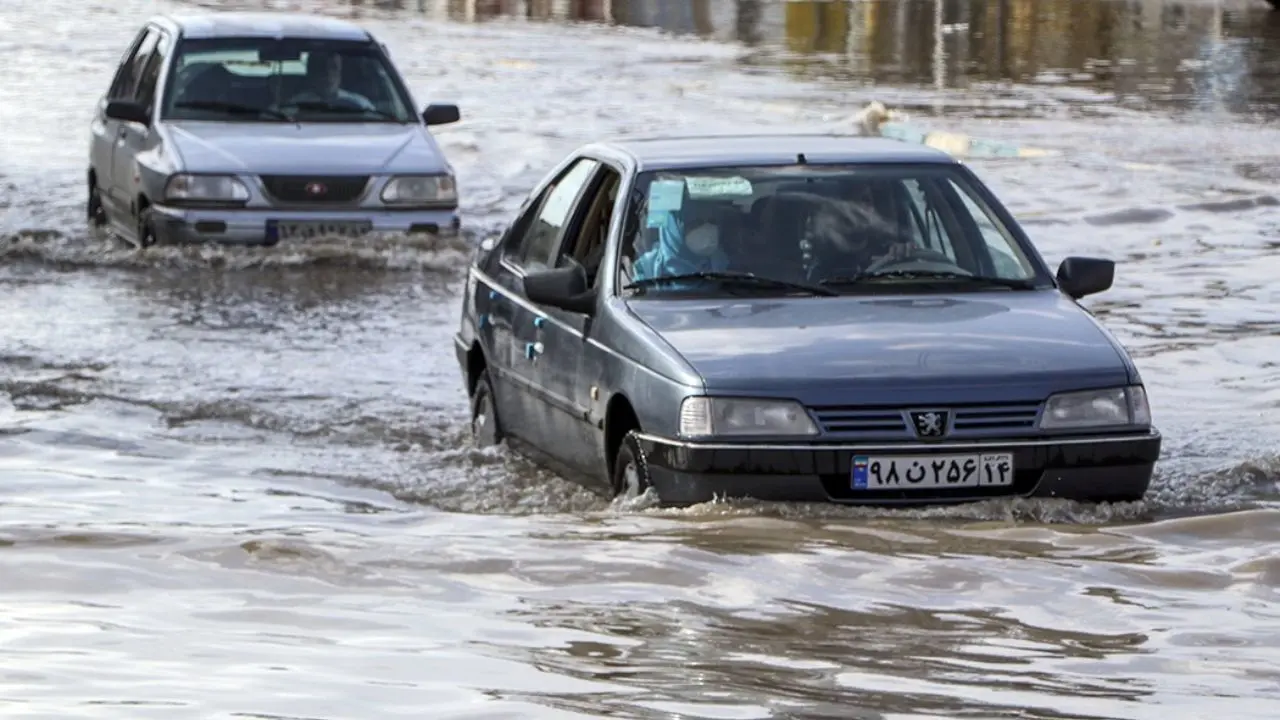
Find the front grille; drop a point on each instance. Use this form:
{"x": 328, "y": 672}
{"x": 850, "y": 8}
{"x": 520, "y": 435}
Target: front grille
{"x": 856, "y": 421}
{"x": 890, "y": 423}
{"x": 315, "y": 189}
{"x": 980, "y": 418}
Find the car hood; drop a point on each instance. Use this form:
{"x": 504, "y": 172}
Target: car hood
{"x": 322, "y": 148}
{"x": 972, "y": 347}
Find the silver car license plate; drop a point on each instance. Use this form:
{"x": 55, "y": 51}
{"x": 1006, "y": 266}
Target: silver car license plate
{"x": 292, "y": 230}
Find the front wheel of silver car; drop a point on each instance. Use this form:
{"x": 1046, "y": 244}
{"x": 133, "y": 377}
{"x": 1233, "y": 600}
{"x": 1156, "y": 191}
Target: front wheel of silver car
{"x": 95, "y": 213}
{"x": 147, "y": 235}
{"x": 630, "y": 472}
{"x": 485, "y": 429}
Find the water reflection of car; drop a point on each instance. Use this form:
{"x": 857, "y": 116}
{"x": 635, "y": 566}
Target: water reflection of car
{"x": 796, "y": 318}
{"x": 252, "y": 128}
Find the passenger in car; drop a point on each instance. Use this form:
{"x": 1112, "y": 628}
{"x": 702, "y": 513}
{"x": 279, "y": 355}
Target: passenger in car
{"x": 688, "y": 242}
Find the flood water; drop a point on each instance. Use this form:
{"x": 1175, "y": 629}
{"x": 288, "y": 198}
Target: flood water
{"x": 236, "y": 483}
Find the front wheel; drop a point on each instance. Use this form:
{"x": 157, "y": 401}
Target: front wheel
{"x": 146, "y": 233}
{"x": 94, "y": 212}
{"x": 485, "y": 429}
{"x": 630, "y": 472}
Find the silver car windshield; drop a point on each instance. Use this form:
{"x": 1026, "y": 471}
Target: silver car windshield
{"x": 284, "y": 80}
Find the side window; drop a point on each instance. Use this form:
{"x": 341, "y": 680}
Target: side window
{"x": 145, "y": 92}
{"x": 926, "y": 223}
{"x": 1006, "y": 256}
{"x": 540, "y": 237}
{"x": 126, "y": 80}
{"x": 587, "y": 246}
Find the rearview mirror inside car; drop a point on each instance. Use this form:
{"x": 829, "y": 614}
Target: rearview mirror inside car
{"x": 441, "y": 114}
{"x": 1081, "y": 276}
{"x": 280, "y": 52}
{"x": 565, "y": 288}
{"x": 128, "y": 111}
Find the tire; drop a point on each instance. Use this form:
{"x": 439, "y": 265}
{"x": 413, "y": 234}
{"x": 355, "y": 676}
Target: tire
{"x": 485, "y": 428}
{"x": 630, "y": 472}
{"x": 146, "y": 236}
{"x": 94, "y": 212}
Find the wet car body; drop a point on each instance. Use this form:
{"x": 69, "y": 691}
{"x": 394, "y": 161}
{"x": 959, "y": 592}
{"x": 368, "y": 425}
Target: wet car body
{"x": 597, "y": 382}
{"x": 162, "y": 172}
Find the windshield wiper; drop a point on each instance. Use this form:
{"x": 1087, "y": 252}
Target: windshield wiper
{"x": 948, "y": 275}
{"x": 233, "y": 108}
{"x": 333, "y": 107}
{"x": 738, "y": 278}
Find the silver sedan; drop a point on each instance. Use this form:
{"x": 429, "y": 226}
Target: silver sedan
{"x": 255, "y": 128}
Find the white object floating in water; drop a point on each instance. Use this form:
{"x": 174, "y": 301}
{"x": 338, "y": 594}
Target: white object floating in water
{"x": 877, "y": 120}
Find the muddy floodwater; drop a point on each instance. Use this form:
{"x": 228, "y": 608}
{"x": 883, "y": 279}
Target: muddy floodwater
{"x": 236, "y": 483}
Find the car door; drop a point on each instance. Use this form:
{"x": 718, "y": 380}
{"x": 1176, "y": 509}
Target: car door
{"x": 524, "y": 408}
{"x": 566, "y": 380}
{"x": 104, "y": 131}
{"x": 131, "y": 137}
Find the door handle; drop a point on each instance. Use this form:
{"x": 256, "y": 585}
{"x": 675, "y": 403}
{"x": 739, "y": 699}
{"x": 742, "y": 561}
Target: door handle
{"x": 532, "y": 350}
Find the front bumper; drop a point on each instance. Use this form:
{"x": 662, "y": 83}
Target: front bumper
{"x": 179, "y": 226}
{"x": 1107, "y": 468}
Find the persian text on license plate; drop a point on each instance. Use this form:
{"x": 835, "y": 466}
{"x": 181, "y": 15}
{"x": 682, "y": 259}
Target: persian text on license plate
{"x": 889, "y": 472}
{"x": 286, "y": 230}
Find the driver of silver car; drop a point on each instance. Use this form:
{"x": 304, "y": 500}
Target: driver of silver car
{"x": 324, "y": 83}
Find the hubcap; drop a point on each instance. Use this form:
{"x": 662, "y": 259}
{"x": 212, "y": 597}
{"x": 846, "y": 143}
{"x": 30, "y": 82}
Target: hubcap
{"x": 482, "y": 424}
{"x": 631, "y": 481}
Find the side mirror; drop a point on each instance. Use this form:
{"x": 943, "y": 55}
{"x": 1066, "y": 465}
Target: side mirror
{"x": 564, "y": 288}
{"x": 128, "y": 111}
{"x": 1080, "y": 276}
{"x": 441, "y": 114}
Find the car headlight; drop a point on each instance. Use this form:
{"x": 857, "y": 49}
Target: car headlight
{"x": 420, "y": 190}
{"x": 716, "y": 417}
{"x": 1097, "y": 408}
{"x": 186, "y": 188}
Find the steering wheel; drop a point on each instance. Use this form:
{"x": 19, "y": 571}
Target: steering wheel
{"x": 919, "y": 256}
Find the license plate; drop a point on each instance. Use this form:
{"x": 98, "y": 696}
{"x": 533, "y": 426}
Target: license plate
{"x": 287, "y": 230}
{"x": 907, "y": 472}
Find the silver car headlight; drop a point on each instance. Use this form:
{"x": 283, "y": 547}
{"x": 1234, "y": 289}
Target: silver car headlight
{"x": 186, "y": 188}
{"x": 1097, "y": 408}
{"x": 702, "y": 417}
{"x": 420, "y": 190}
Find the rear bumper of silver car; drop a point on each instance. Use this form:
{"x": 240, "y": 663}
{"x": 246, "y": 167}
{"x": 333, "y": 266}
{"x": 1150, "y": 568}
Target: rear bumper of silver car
{"x": 1086, "y": 468}
{"x": 181, "y": 226}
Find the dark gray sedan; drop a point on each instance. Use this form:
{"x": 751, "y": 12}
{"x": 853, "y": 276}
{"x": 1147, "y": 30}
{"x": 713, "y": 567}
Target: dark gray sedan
{"x": 256, "y": 128}
{"x": 799, "y": 318}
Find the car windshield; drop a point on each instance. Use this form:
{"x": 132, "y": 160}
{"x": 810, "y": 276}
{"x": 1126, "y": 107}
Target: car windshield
{"x": 284, "y": 80}
{"x": 868, "y": 229}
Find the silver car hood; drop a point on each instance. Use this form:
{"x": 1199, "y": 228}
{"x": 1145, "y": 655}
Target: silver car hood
{"x": 320, "y": 148}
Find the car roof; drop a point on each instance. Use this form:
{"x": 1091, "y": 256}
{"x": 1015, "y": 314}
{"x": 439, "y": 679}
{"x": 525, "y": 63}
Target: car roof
{"x": 262, "y": 24}
{"x": 669, "y": 153}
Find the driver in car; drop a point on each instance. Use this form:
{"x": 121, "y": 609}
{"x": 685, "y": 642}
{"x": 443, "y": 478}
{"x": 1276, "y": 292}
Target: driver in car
{"x": 324, "y": 83}
{"x": 850, "y": 237}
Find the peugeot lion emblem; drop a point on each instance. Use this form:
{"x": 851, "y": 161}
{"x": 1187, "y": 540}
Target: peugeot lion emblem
{"x": 929, "y": 423}
{"x": 316, "y": 189}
